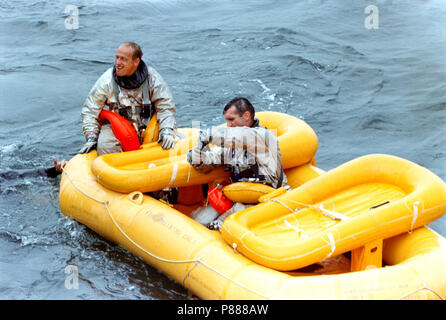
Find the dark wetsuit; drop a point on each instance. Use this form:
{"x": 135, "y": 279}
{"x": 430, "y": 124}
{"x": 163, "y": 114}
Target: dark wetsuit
{"x": 25, "y": 173}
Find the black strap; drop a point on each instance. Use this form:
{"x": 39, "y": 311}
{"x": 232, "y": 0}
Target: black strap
{"x": 279, "y": 183}
{"x": 147, "y": 108}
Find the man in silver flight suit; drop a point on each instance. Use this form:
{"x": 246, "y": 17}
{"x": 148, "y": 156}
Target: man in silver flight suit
{"x": 249, "y": 151}
{"x": 136, "y": 92}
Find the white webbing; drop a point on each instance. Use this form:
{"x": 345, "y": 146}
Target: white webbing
{"x": 174, "y": 175}
{"x": 415, "y": 215}
{"x": 300, "y": 232}
{"x": 328, "y": 213}
{"x": 332, "y": 243}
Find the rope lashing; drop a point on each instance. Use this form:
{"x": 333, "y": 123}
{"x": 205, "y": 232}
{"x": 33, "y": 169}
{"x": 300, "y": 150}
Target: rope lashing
{"x": 336, "y": 216}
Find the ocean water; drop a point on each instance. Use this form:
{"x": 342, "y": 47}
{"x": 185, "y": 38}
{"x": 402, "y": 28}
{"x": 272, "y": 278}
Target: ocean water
{"x": 367, "y": 76}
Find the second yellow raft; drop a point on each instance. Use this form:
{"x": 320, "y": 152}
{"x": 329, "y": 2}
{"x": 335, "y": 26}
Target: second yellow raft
{"x": 370, "y": 198}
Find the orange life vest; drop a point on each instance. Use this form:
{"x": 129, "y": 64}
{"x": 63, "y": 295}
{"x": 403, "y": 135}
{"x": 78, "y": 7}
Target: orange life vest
{"x": 122, "y": 129}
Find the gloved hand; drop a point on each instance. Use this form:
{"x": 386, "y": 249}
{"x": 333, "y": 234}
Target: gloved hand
{"x": 167, "y": 139}
{"x": 204, "y": 137}
{"x": 92, "y": 141}
{"x": 193, "y": 156}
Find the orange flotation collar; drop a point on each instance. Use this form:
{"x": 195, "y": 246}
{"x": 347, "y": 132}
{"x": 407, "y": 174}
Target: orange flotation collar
{"x": 218, "y": 200}
{"x": 122, "y": 129}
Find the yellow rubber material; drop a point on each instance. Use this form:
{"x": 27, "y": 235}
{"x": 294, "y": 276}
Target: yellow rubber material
{"x": 200, "y": 260}
{"x": 275, "y": 193}
{"x": 152, "y": 168}
{"x": 372, "y": 197}
{"x": 246, "y": 192}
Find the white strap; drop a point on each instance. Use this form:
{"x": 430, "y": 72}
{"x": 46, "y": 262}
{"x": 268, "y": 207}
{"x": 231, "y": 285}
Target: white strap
{"x": 174, "y": 175}
{"x": 300, "y": 232}
{"x": 331, "y": 214}
{"x": 415, "y": 214}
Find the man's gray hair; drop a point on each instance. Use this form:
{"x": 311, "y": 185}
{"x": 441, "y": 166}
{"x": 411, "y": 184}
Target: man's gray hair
{"x": 137, "y": 52}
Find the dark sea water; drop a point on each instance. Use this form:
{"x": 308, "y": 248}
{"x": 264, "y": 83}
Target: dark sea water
{"x": 363, "y": 90}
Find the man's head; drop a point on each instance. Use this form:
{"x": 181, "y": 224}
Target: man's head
{"x": 239, "y": 112}
{"x": 127, "y": 60}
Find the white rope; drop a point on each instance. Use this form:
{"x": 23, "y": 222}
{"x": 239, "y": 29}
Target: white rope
{"x": 328, "y": 213}
{"x": 422, "y": 288}
{"x": 85, "y": 194}
{"x": 283, "y": 204}
{"x": 190, "y": 270}
{"x": 196, "y": 261}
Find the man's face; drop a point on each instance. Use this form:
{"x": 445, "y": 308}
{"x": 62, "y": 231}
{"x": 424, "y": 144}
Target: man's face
{"x": 234, "y": 119}
{"x": 124, "y": 63}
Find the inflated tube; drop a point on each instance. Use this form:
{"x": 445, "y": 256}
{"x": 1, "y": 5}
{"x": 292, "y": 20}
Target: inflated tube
{"x": 122, "y": 129}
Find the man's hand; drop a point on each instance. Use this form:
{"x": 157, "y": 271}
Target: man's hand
{"x": 204, "y": 137}
{"x": 193, "y": 157}
{"x": 92, "y": 141}
{"x": 167, "y": 139}
{"x": 59, "y": 165}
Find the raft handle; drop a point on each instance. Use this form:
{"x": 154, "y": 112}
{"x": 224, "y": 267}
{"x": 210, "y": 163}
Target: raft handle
{"x": 379, "y": 205}
{"x": 136, "y": 197}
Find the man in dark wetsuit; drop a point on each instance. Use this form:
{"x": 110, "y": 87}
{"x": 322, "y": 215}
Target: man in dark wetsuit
{"x": 51, "y": 172}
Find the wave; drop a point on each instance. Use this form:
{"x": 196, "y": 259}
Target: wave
{"x": 92, "y": 61}
{"x": 297, "y": 59}
{"x": 28, "y": 239}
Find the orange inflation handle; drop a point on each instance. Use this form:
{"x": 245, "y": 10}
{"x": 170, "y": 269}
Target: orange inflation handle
{"x": 218, "y": 200}
{"x": 122, "y": 129}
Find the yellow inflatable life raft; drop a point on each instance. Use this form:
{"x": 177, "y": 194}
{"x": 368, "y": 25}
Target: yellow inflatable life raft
{"x": 152, "y": 168}
{"x": 412, "y": 265}
{"x": 370, "y": 198}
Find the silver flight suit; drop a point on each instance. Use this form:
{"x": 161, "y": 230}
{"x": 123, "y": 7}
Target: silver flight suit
{"x": 102, "y": 94}
{"x": 240, "y": 149}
